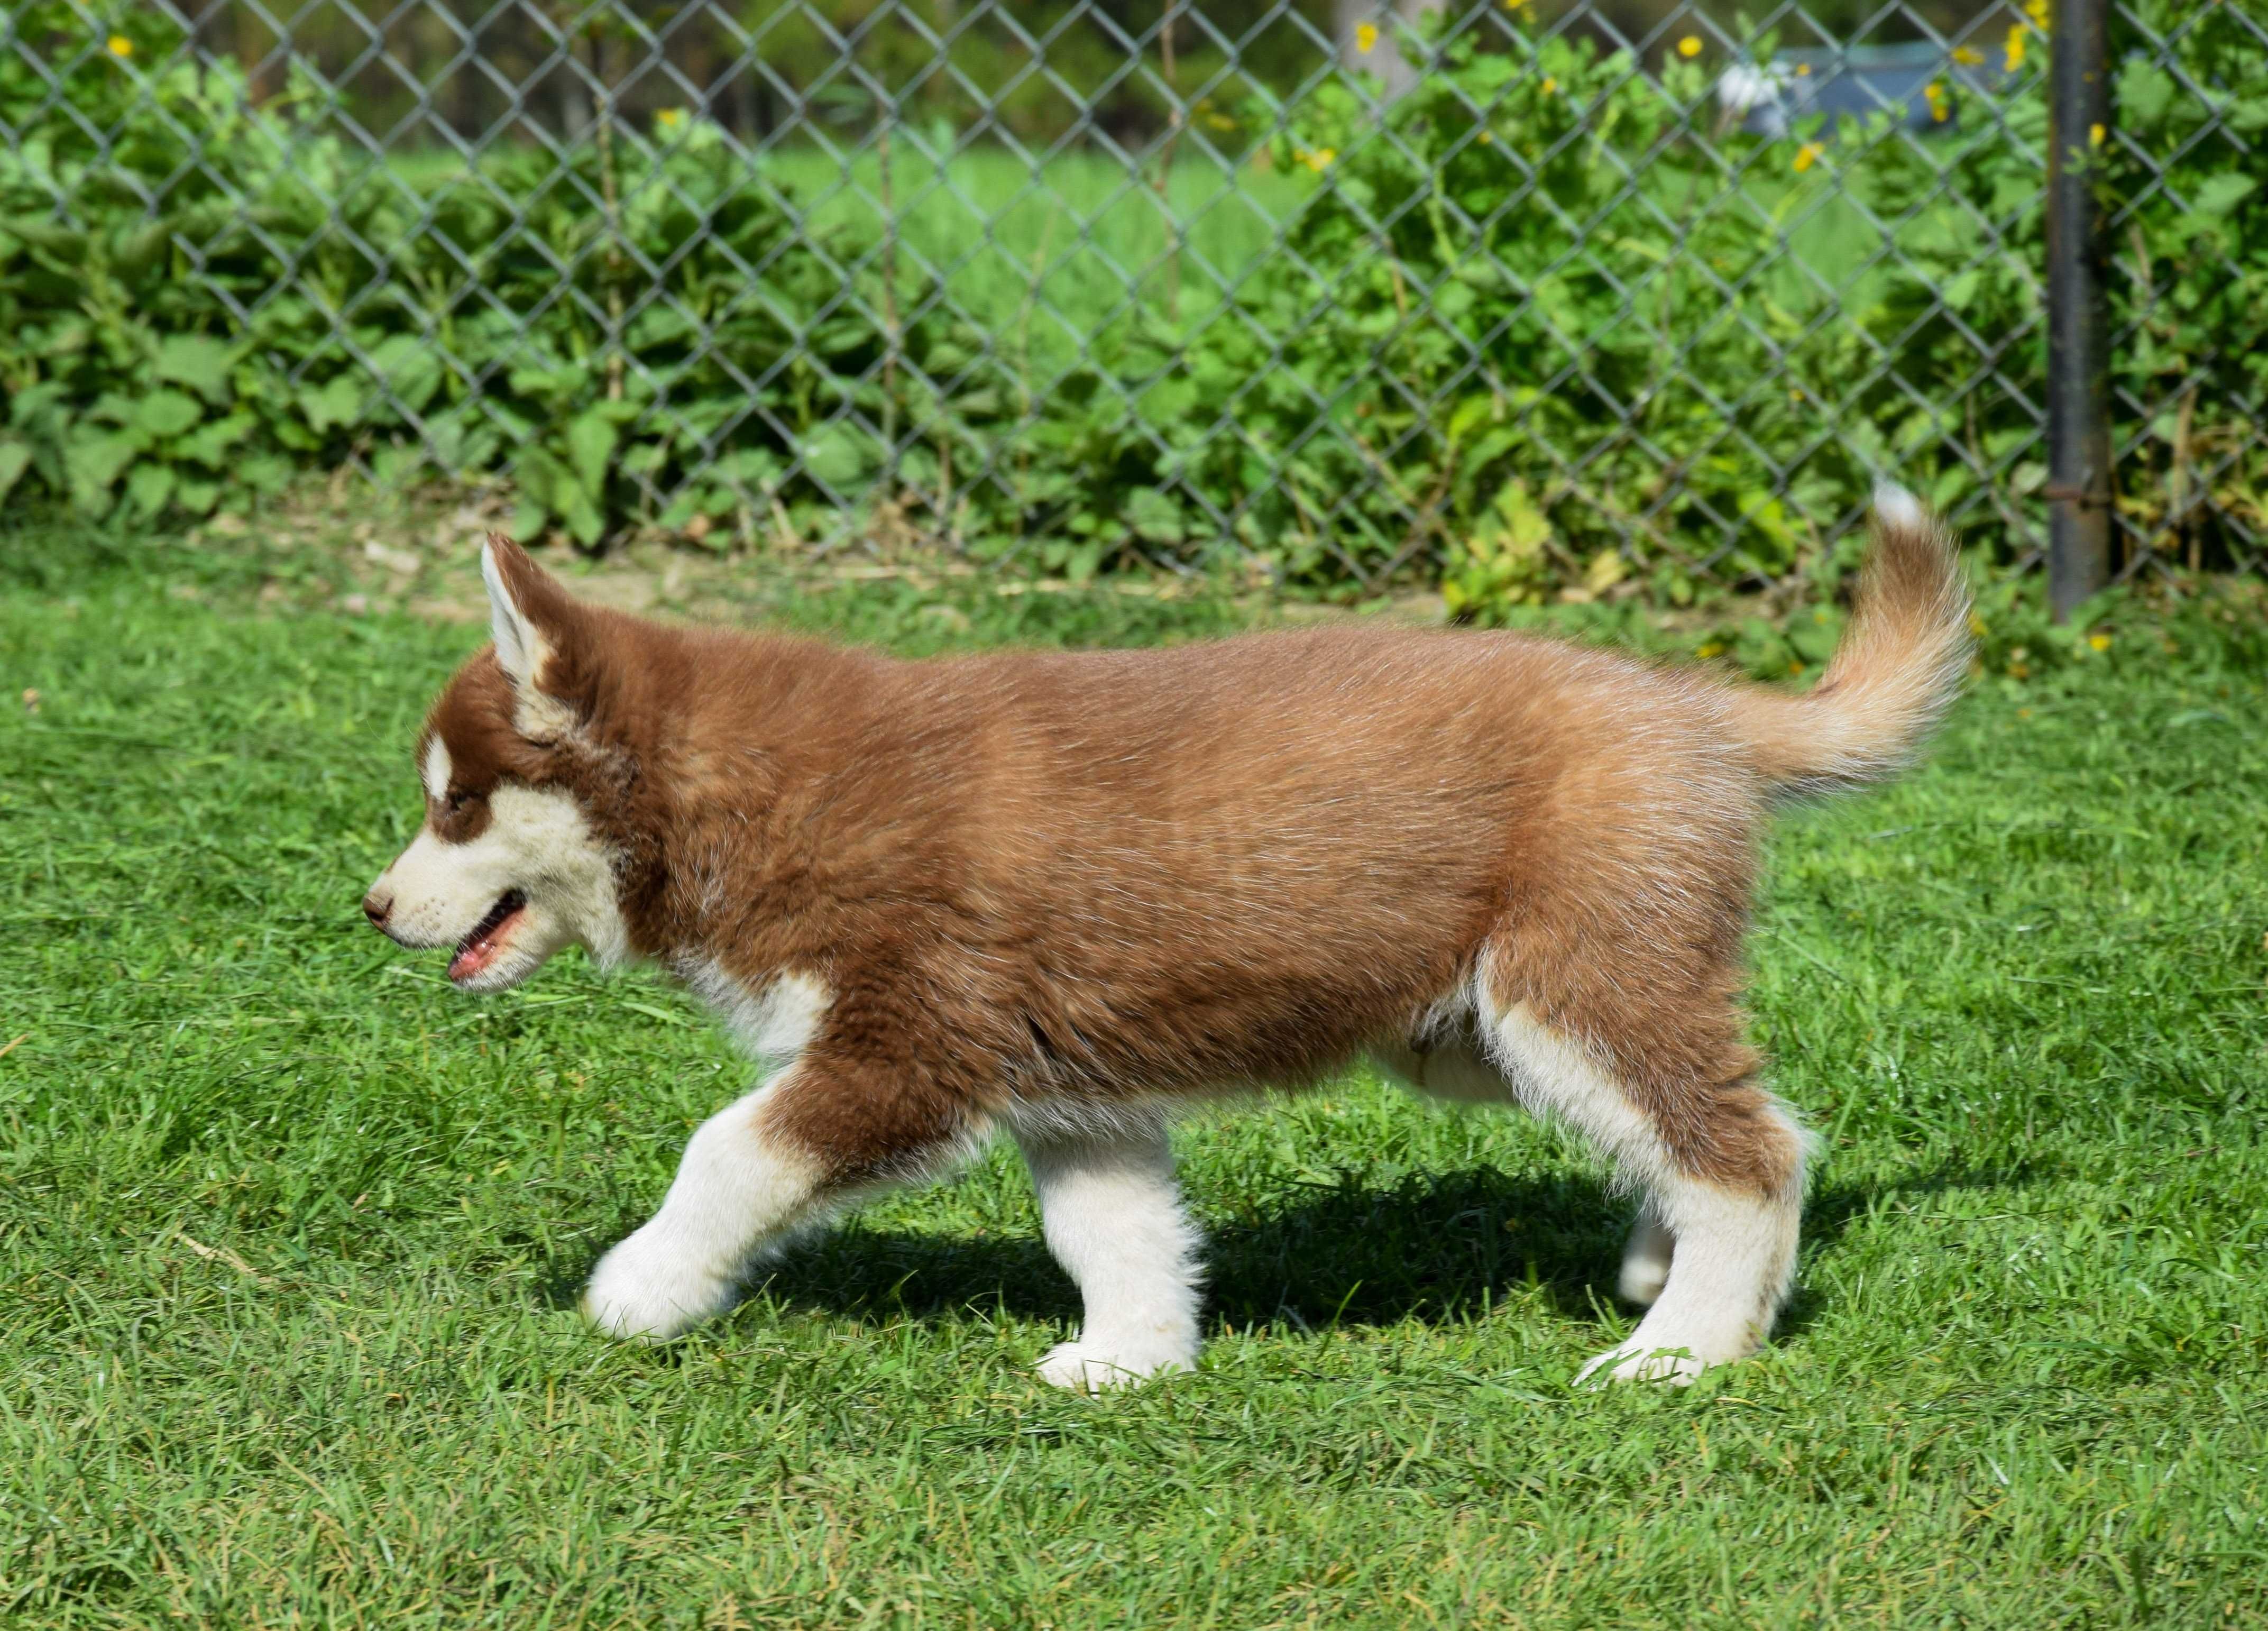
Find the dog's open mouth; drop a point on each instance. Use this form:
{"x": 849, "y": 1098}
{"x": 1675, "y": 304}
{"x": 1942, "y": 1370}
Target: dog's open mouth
{"x": 485, "y": 943}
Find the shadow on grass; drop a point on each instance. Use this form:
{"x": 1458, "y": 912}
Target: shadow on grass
{"x": 1436, "y": 1247}
{"x": 1433, "y": 1248}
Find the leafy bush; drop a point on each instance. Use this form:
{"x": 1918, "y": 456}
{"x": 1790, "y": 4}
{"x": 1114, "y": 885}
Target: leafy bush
{"x": 1557, "y": 337}
{"x": 1527, "y": 340}
{"x": 2189, "y": 248}
{"x": 1533, "y": 330}
{"x": 282, "y": 304}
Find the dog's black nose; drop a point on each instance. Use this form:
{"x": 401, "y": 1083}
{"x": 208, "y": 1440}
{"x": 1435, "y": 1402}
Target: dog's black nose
{"x": 376, "y": 907}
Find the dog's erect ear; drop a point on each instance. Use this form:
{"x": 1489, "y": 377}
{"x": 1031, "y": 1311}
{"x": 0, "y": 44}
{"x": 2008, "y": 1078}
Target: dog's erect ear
{"x": 530, "y": 618}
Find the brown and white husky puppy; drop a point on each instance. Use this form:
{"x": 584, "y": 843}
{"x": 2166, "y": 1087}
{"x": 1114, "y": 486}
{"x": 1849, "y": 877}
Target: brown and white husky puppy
{"x": 1055, "y": 895}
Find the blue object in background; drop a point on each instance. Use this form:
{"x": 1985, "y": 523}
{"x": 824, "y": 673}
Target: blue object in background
{"x": 1769, "y": 98}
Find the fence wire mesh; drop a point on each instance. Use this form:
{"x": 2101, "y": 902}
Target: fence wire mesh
{"x": 1571, "y": 303}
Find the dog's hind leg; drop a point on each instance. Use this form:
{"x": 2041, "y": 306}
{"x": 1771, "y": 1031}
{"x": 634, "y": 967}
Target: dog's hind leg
{"x": 1720, "y": 1162}
{"x": 812, "y": 1137}
{"x": 1454, "y": 1070}
{"x": 1113, "y": 1218}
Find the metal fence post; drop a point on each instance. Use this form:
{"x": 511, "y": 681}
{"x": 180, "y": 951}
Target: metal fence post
{"x": 2079, "y": 395}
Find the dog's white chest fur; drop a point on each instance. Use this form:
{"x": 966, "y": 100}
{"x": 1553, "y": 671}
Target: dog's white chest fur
{"x": 773, "y": 1023}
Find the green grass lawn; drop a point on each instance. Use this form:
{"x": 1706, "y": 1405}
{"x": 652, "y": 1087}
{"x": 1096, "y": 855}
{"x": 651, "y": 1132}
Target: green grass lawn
{"x": 290, "y": 1231}
{"x": 1057, "y": 253}
{"x": 1060, "y": 254}
{"x": 1053, "y": 255}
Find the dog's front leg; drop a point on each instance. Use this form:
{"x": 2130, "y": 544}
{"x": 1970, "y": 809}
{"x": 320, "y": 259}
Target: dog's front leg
{"x": 740, "y": 1186}
{"x": 1113, "y": 1218}
{"x": 831, "y": 1126}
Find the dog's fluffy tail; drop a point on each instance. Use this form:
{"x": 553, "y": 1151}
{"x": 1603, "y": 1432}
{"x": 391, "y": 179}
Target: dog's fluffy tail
{"x": 1898, "y": 668}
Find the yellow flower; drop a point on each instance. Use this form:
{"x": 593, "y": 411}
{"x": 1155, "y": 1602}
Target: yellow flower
{"x": 1710, "y": 650}
{"x": 2099, "y": 642}
{"x": 1935, "y": 91}
{"x": 1967, "y": 56}
{"x": 2015, "y": 48}
{"x": 1803, "y": 70}
{"x": 121, "y": 46}
{"x": 1690, "y": 46}
{"x": 2037, "y": 11}
{"x": 1551, "y": 86}
{"x": 1809, "y": 154}
{"x": 2095, "y": 134}
{"x": 1318, "y": 160}
{"x": 1487, "y": 136}
{"x": 1366, "y": 35}
{"x": 670, "y": 118}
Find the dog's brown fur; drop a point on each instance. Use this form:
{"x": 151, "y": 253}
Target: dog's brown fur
{"x": 1087, "y": 878}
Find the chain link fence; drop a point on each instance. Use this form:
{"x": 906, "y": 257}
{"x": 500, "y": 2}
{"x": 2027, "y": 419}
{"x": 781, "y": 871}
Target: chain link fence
{"x": 1544, "y": 303}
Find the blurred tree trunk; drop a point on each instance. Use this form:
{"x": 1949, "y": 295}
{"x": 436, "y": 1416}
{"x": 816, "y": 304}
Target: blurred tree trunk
{"x": 460, "y": 98}
{"x": 696, "y": 57}
{"x": 207, "y": 38}
{"x": 1384, "y": 57}
{"x": 755, "y": 115}
{"x": 261, "y": 70}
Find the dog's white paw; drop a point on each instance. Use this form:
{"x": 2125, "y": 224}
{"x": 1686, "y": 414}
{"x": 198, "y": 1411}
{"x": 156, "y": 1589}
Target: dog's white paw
{"x": 1095, "y": 1367}
{"x": 649, "y": 1289}
{"x": 1674, "y": 1351}
{"x": 1676, "y": 1367}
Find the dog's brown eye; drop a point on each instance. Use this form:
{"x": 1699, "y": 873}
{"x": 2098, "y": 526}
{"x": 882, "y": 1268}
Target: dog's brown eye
{"x": 458, "y": 799}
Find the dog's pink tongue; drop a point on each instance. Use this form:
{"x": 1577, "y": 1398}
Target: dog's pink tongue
{"x": 482, "y": 952}
{"x": 473, "y": 959}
